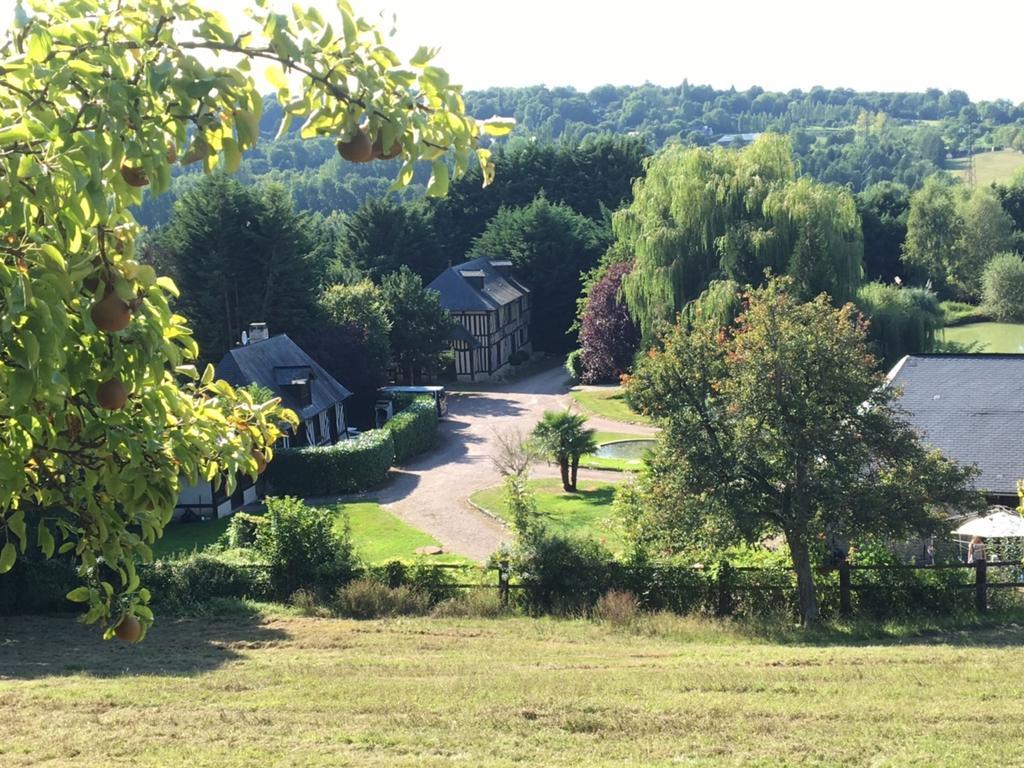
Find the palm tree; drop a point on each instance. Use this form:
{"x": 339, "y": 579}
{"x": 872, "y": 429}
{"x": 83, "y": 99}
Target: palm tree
{"x": 562, "y": 435}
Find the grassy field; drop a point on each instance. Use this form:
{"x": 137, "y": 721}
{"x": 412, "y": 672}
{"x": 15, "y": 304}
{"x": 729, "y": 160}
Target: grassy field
{"x": 321, "y": 693}
{"x": 378, "y": 536}
{"x": 608, "y": 402}
{"x": 989, "y": 166}
{"x": 588, "y": 512}
{"x": 991, "y": 337}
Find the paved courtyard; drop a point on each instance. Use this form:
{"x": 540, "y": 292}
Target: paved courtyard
{"x": 432, "y": 493}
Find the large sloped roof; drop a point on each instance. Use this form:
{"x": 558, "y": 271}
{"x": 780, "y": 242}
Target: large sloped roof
{"x": 970, "y": 407}
{"x": 458, "y": 294}
{"x": 277, "y": 362}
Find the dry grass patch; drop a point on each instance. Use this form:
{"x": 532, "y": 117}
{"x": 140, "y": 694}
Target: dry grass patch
{"x": 325, "y": 692}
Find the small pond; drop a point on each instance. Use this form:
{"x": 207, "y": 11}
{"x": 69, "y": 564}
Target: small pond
{"x": 988, "y": 337}
{"x": 633, "y": 450}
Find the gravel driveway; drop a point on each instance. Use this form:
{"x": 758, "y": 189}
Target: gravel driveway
{"x": 432, "y": 492}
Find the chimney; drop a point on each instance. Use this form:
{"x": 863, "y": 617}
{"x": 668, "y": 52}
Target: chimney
{"x": 257, "y": 332}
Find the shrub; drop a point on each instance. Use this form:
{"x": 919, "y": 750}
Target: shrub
{"x": 38, "y": 586}
{"x": 574, "y": 364}
{"x": 472, "y": 604}
{"x": 608, "y": 336}
{"x": 182, "y": 584}
{"x": 371, "y": 599}
{"x": 414, "y": 430}
{"x": 561, "y": 574}
{"x": 902, "y": 321}
{"x": 306, "y": 602}
{"x": 618, "y": 608}
{"x": 436, "y": 583}
{"x": 302, "y": 547}
{"x": 243, "y": 529}
{"x": 349, "y": 467}
{"x": 1003, "y": 288}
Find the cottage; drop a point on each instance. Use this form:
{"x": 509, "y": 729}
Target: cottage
{"x": 970, "y": 407}
{"x": 280, "y": 365}
{"x": 492, "y": 309}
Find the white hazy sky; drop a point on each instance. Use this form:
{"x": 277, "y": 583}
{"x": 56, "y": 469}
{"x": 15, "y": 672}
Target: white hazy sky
{"x": 777, "y": 44}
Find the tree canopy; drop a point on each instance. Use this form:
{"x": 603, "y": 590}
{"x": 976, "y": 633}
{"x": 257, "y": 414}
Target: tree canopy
{"x": 701, "y": 215}
{"x": 101, "y": 416}
{"x": 780, "y": 424}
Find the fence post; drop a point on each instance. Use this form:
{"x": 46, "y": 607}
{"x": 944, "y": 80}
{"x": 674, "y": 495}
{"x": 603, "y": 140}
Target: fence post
{"x": 503, "y": 577}
{"x": 845, "y": 609}
{"x": 980, "y": 585}
{"x": 724, "y": 593}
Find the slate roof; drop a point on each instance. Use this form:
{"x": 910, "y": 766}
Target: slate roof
{"x": 970, "y": 407}
{"x": 276, "y": 362}
{"x": 459, "y": 295}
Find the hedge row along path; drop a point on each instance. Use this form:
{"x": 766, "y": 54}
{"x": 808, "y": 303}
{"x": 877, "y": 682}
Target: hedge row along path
{"x": 432, "y": 491}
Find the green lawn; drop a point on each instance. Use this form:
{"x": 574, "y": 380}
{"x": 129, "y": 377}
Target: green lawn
{"x": 588, "y": 512}
{"x": 989, "y": 166}
{"x": 608, "y": 402}
{"x": 991, "y": 337}
{"x": 378, "y": 536}
{"x": 235, "y": 692}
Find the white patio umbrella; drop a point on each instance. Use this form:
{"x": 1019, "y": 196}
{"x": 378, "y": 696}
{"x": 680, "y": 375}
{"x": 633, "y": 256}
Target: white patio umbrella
{"x": 995, "y": 526}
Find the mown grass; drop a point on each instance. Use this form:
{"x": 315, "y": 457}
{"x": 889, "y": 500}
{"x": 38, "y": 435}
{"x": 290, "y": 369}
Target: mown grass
{"x": 608, "y": 402}
{"x": 989, "y": 166}
{"x": 988, "y": 337}
{"x": 588, "y": 512}
{"x": 312, "y": 693}
{"x": 377, "y": 535}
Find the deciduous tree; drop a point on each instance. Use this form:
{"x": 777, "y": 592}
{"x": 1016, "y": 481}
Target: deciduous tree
{"x": 780, "y": 424}
{"x": 98, "y": 100}
{"x": 420, "y": 326}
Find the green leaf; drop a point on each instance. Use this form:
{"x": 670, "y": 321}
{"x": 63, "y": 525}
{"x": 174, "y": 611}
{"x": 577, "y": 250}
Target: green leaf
{"x": 275, "y": 76}
{"x": 423, "y": 56}
{"x": 7, "y": 557}
{"x": 45, "y": 539}
{"x": 79, "y": 595}
{"x": 498, "y": 126}
{"x": 15, "y": 133}
{"x": 52, "y": 257}
{"x": 438, "y": 186}
{"x": 39, "y": 43}
{"x": 232, "y": 155}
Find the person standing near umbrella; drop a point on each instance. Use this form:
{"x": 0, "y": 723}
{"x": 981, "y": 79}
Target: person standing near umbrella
{"x": 976, "y": 549}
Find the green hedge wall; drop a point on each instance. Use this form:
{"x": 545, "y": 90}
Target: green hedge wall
{"x": 414, "y": 429}
{"x": 348, "y": 467}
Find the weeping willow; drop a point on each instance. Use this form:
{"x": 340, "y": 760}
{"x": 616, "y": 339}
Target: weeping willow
{"x": 901, "y": 321}
{"x": 702, "y": 215}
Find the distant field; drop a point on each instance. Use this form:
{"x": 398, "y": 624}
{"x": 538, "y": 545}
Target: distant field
{"x": 237, "y": 691}
{"x": 989, "y": 166}
{"x": 989, "y": 337}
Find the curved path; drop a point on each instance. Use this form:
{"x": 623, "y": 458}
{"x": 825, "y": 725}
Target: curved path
{"x": 432, "y": 493}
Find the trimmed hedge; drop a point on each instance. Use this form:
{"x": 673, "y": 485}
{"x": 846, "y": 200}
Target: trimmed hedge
{"x": 348, "y": 467}
{"x": 414, "y": 429}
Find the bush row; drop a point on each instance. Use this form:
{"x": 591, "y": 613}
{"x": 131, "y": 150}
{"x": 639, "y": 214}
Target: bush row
{"x": 414, "y": 429}
{"x": 347, "y": 467}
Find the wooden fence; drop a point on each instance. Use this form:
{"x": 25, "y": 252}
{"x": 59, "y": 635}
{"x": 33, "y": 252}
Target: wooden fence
{"x": 725, "y": 588}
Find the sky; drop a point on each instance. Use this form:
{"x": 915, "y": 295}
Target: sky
{"x": 905, "y": 45}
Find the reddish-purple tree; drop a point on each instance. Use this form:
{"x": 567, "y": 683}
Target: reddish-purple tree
{"x": 608, "y": 336}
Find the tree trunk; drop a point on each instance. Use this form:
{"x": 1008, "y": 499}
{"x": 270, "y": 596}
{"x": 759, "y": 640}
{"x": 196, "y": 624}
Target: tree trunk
{"x": 563, "y": 465}
{"x": 575, "y": 471}
{"x": 804, "y": 578}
